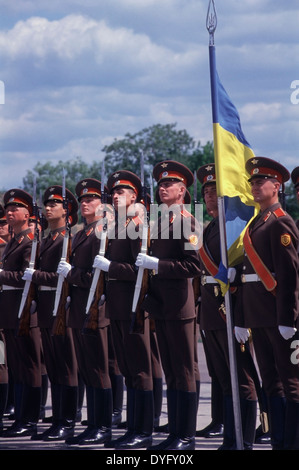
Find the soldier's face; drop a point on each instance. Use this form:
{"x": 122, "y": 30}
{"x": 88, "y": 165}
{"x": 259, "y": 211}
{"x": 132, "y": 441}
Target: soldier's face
{"x": 54, "y": 211}
{"x": 16, "y": 216}
{"x": 89, "y": 206}
{"x": 210, "y": 197}
{"x": 264, "y": 190}
{"x": 3, "y": 229}
{"x": 171, "y": 192}
{"x": 123, "y": 197}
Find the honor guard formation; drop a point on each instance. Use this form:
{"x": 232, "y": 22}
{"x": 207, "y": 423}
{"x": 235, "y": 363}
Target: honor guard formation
{"x": 100, "y": 297}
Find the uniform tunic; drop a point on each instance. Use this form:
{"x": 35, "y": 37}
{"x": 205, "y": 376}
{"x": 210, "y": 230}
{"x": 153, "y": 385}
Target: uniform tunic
{"x": 91, "y": 350}
{"x": 58, "y": 350}
{"x": 170, "y": 299}
{"x": 275, "y": 238}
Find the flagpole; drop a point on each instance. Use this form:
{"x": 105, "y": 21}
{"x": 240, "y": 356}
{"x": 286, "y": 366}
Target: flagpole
{"x": 211, "y": 27}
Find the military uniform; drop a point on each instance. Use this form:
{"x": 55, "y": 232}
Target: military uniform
{"x": 170, "y": 302}
{"x": 3, "y": 366}
{"x": 295, "y": 180}
{"x": 58, "y": 350}
{"x": 133, "y": 351}
{"x": 23, "y": 352}
{"x": 270, "y": 306}
{"x": 213, "y": 323}
{"x": 91, "y": 349}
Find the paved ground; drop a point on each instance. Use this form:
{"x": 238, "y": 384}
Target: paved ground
{"x": 203, "y": 419}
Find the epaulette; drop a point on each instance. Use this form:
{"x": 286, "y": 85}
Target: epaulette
{"x": 279, "y": 212}
{"x": 30, "y": 235}
{"x": 137, "y": 220}
{"x": 89, "y": 231}
{"x": 2, "y": 242}
{"x": 186, "y": 213}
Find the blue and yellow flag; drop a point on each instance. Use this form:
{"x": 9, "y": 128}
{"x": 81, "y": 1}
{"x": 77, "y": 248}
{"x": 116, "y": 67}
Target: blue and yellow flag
{"x": 231, "y": 151}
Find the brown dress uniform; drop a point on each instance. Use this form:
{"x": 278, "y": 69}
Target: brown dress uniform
{"x": 58, "y": 350}
{"x": 270, "y": 299}
{"x": 133, "y": 351}
{"x": 91, "y": 350}
{"x": 295, "y": 179}
{"x": 170, "y": 302}
{"x": 23, "y": 352}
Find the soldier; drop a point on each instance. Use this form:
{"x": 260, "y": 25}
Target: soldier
{"x": 91, "y": 349}
{"x": 23, "y": 351}
{"x": 295, "y": 179}
{"x": 4, "y": 378}
{"x": 58, "y": 350}
{"x": 133, "y": 351}
{"x": 213, "y": 325}
{"x": 173, "y": 260}
{"x": 269, "y": 300}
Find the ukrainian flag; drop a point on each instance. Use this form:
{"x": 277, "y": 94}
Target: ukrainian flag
{"x": 231, "y": 151}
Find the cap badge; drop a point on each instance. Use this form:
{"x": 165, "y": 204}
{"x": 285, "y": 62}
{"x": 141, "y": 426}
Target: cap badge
{"x": 85, "y": 190}
{"x": 84, "y": 183}
{"x": 254, "y": 161}
{"x": 255, "y": 171}
{"x": 165, "y": 173}
{"x": 209, "y": 168}
{"x": 209, "y": 177}
{"x": 164, "y": 165}
{"x": 12, "y": 193}
{"x": 116, "y": 175}
{"x": 51, "y": 189}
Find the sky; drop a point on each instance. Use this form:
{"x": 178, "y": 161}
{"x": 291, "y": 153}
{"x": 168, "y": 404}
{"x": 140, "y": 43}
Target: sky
{"x": 76, "y": 75}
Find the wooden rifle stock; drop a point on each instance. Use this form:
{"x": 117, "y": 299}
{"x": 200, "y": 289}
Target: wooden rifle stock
{"x": 92, "y": 318}
{"x": 24, "y": 320}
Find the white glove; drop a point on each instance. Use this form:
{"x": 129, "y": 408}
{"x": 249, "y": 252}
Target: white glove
{"x": 102, "y": 263}
{"x": 33, "y": 307}
{"x": 102, "y": 300}
{"x": 287, "y": 332}
{"x": 27, "y": 276}
{"x": 241, "y": 334}
{"x": 67, "y": 303}
{"x": 64, "y": 268}
{"x": 231, "y": 274}
{"x": 148, "y": 262}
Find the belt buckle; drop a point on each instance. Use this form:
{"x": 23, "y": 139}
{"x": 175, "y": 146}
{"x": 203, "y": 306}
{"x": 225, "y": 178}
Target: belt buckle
{"x": 203, "y": 280}
{"x": 243, "y": 278}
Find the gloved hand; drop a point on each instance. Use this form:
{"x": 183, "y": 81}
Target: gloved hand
{"x": 33, "y": 307}
{"x": 102, "y": 300}
{"x": 241, "y": 334}
{"x": 287, "y": 332}
{"x": 64, "y": 268}
{"x": 101, "y": 263}
{"x": 68, "y": 302}
{"x": 27, "y": 276}
{"x": 231, "y": 274}
{"x": 146, "y": 261}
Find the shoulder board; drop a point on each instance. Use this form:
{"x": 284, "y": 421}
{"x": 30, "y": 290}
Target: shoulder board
{"x": 63, "y": 233}
{"x": 2, "y": 241}
{"x": 279, "y": 212}
{"x": 186, "y": 213}
{"x": 89, "y": 231}
{"x": 137, "y": 220}
{"x": 30, "y": 235}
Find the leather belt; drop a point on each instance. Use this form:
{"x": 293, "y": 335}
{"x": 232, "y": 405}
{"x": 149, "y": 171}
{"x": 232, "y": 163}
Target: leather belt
{"x": 251, "y": 277}
{"x": 208, "y": 280}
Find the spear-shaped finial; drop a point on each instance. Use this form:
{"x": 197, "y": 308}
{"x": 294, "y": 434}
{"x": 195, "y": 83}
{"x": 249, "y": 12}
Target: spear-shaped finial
{"x": 211, "y": 22}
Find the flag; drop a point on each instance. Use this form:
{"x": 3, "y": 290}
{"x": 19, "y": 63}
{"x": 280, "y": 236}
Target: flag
{"x": 231, "y": 151}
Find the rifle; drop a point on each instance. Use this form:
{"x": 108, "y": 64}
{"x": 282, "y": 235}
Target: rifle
{"x": 98, "y": 282}
{"x": 142, "y": 275}
{"x": 62, "y": 290}
{"x": 28, "y": 294}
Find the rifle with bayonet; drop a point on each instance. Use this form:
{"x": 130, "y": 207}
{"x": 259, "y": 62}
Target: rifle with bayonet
{"x": 62, "y": 290}
{"x": 141, "y": 286}
{"x": 97, "y": 288}
{"x": 195, "y": 280}
{"x": 27, "y": 305}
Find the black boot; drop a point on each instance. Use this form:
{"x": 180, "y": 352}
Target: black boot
{"x": 27, "y": 409}
{"x": 75, "y": 440}
{"x": 291, "y": 433}
{"x": 130, "y": 421}
{"x": 101, "y": 431}
{"x": 56, "y": 391}
{"x": 66, "y": 425}
{"x": 186, "y": 422}
{"x": 277, "y": 408}
{"x": 215, "y": 427}
{"x": 3, "y": 401}
{"x": 143, "y": 421}
{"x": 117, "y": 384}
{"x": 158, "y": 399}
{"x": 248, "y": 416}
{"x": 172, "y": 421}
{"x": 228, "y": 424}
